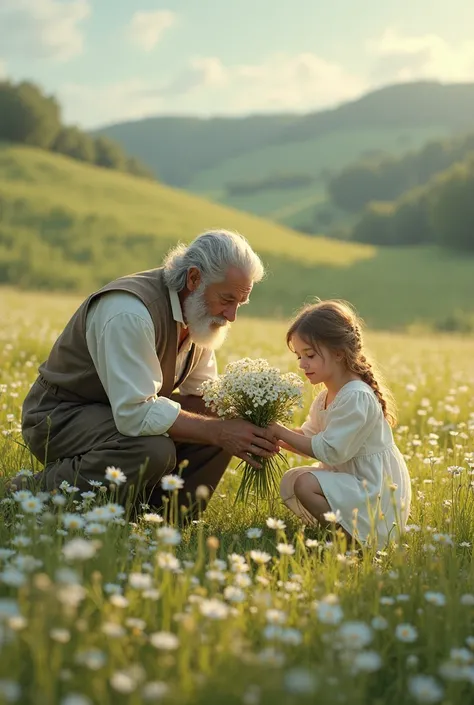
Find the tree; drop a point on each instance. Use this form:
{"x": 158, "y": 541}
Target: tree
{"x": 365, "y": 181}
{"x": 451, "y": 207}
{"x": 27, "y": 116}
{"x": 109, "y": 154}
{"x": 375, "y": 225}
{"x": 411, "y": 224}
{"x": 30, "y": 117}
{"x": 402, "y": 222}
{"x": 388, "y": 178}
{"x": 137, "y": 168}
{"x": 434, "y": 157}
{"x": 74, "y": 143}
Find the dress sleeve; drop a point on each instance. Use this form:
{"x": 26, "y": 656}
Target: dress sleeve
{"x": 349, "y": 425}
{"x": 311, "y": 425}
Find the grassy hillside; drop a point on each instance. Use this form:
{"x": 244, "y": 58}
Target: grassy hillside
{"x": 205, "y": 155}
{"x": 177, "y": 148}
{"x": 69, "y": 226}
{"x": 402, "y": 105}
{"x": 317, "y": 157}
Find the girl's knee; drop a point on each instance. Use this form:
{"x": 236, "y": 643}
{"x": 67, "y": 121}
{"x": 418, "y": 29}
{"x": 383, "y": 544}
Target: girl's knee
{"x": 304, "y": 485}
{"x": 287, "y": 482}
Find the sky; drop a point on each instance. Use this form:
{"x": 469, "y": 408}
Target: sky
{"x": 109, "y": 61}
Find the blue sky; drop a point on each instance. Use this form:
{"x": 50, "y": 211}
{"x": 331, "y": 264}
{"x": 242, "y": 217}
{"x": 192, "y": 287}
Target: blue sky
{"x": 113, "y": 60}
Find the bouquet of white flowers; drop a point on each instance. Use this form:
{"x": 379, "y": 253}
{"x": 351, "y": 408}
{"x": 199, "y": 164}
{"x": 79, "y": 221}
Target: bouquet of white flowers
{"x": 253, "y": 390}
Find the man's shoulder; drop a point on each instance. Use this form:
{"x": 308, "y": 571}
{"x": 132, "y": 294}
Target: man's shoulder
{"x": 113, "y": 304}
{"x": 147, "y": 285}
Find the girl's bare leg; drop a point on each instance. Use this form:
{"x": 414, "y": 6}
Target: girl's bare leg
{"x": 287, "y": 492}
{"x": 309, "y": 493}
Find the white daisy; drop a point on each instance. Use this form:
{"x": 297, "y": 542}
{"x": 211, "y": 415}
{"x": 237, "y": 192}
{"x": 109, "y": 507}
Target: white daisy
{"x": 115, "y": 475}
{"x": 172, "y": 482}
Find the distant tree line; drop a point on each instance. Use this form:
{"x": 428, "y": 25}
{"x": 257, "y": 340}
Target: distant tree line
{"x": 28, "y": 116}
{"x": 440, "y": 212}
{"x": 385, "y": 179}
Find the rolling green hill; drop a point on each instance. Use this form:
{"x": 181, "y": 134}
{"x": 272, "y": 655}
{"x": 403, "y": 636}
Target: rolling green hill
{"x": 69, "y": 226}
{"x": 318, "y": 157}
{"x": 177, "y": 148}
{"x": 206, "y": 155}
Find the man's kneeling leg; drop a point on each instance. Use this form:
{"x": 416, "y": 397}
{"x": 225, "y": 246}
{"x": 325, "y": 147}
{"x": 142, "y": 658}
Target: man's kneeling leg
{"x": 143, "y": 460}
{"x": 199, "y": 466}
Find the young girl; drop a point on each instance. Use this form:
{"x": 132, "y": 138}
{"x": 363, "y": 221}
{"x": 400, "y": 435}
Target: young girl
{"x": 361, "y": 475}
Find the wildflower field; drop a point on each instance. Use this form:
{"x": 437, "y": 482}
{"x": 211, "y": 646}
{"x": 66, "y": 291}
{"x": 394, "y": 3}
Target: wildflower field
{"x": 245, "y": 607}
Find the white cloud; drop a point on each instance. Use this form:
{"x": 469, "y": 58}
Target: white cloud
{"x": 202, "y": 72}
{"x": 402, "y": 57}
{"x": 211, "y": 69}
{"x": 42, "y": 28}
{"x": 302, "y": 82}
{"x": 147, "y": 28}
{"x": 91, "y": 106}
{"x": 206, "y": 87}
{"x": 282, "y": 82}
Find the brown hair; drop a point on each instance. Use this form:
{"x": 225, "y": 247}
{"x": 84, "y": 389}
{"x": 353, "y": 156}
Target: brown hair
{"x": 335, "y": 325}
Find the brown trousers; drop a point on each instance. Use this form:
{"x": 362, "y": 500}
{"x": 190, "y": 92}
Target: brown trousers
{"x": 76, "y": 442}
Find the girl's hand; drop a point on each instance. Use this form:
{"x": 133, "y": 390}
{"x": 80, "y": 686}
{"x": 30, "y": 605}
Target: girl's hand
{"x": 276, "y": 429}
{"x": 294, "y": 441}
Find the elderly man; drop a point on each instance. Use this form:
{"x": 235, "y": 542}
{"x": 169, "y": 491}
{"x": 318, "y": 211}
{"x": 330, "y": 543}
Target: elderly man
{"x": 120, "y": 388}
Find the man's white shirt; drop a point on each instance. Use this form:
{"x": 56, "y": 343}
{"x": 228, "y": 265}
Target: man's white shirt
{"x": 121, "y": 341}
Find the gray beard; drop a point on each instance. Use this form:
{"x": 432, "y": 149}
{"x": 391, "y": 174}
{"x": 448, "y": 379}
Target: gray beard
{"x": 204, "y": 330}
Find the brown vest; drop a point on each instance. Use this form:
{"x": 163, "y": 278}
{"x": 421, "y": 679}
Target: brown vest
{"x": 70, "y": 366}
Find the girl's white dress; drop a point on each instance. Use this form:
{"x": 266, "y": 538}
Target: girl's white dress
{"x": 361, "y": 471}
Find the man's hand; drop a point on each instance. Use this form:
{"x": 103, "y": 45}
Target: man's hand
{"x": 237, "y": 436}
{"x": 244, "y": 440}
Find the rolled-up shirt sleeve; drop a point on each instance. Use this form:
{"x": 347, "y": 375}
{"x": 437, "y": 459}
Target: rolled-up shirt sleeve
{"x": 121, "y": 341}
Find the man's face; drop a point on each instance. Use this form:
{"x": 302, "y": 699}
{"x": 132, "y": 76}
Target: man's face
{"x": 224, "y": 298}
{"x": 210, "y": 309}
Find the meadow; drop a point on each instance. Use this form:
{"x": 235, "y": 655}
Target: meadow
{"x": 246, "y": 607}
{"x": 73, "y": 227}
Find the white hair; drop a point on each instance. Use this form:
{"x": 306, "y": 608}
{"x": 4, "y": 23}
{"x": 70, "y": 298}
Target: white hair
{"x": 212, "y": 252}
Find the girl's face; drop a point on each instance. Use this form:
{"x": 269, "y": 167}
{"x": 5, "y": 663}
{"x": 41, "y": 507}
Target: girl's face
{"x": 318, "y": 365}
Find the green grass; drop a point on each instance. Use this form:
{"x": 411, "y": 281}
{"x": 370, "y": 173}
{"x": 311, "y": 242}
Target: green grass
{"x": 273, "y": 204}
{"x": 48, "y": 182}
{"x": 69, "y": 226}
{"x": 331, "y": 151}
{"x": 65, "y": 633}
